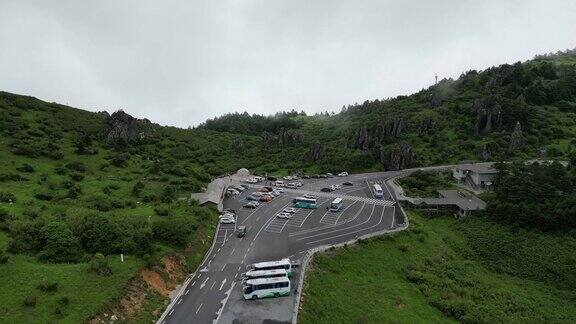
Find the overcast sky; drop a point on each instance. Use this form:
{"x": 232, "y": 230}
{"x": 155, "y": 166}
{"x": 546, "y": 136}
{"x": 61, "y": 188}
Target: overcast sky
{"x": 181, "y": 62}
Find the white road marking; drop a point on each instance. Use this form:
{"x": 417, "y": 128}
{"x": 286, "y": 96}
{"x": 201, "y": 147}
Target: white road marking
{"x": 204, "y": 283}
{"x": 223, "y": 267}
{"x": 234, "y": 249}
{"x": 187, "y": 291}
{"x": 213, "y": 285}
{"x": 330, "y": 226}
{"x": 362, "y": 229}
{"x": 179, "y": 301}
{"x": 172, "y": 311}
{"x": 199, "y": 308}
{"x": 223, "y": 302}
{"x": 342, "y": 229}
{"x": 222, "y": 285}
{"x": 193, "y": 283}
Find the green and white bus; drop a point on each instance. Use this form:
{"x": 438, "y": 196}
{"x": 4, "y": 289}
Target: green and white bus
{"x": 301, "y": 202}
{"x": 336, "y": 205}
{"x": 273, "y": 265}
{"x": 266, "y": 287}
{"x": 378, "y": 193}
{"x": 264, "y": 274}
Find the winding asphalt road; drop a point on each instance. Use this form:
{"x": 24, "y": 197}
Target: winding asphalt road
{"x": 213, "y": 294}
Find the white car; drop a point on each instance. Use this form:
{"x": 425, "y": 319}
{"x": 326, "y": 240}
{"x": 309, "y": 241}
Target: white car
{"x": 226, "y": 219}
{"x": 343, "y": 174}
{"x": 284, "y": 215}
{"x": 309, "y": 196}
{"x": 298, "y": 184}
{"x": 280, "y": 190}
{"x": 337, "y": 186}
{"x": 289, "y": 210}
{"x": 233, "y": 191}
{"x": 276, "y": 192}
{"x": 291, "y": 185}
{"x": 333, "y": 188}
{"x": 252, "y": 180}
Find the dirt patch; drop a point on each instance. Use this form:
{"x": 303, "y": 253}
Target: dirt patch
{"x": 155, "y": 280}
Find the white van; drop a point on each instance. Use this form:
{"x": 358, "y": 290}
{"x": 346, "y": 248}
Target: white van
{"x": 279, "y": 183}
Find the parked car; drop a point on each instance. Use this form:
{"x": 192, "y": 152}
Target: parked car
{"x": 271, "y": 178}
{"x": 291, "y": 185}
{"x": 284, "y": 215}
{"x": 280, "y": 190}
{"x": 265, "y": 198}
{"x": 241, "y": 231}
{"x": 279, "y": 183}
{"x": 289, "y": 210}
{"x": 315, "y": 176}
{"x": 298, "y": 184}
{"x": 325, "y": 189}
{"x": 251, "y": 204}
{"x": 309, "y": 196}
{"x": 306, "y": 176}
{"x": 252, "y": 180}
{"x": 323, "y": 176}
{"x": 229, "y": 211}
{"x": 233, "y": 191}
{"x": 227, "y": 219}
{"x": 257, "y": 194}
{"x": 329, "y": 175}
{"x": 348, "y": 183}
{"x": 277, "y": 193}
{"x": 251, "y": 198}
{"x": 343, "y": 174}
{"x": 263, "y": 189}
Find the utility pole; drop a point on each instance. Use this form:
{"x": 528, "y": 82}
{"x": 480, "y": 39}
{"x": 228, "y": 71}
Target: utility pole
{"x": 436, "y": 79}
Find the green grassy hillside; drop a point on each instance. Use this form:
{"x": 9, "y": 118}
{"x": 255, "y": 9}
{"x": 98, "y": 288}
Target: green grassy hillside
{"x": 441, "y": 270}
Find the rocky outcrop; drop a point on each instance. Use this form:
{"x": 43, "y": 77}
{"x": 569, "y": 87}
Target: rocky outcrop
{"x": 120, "y": 126}
{"x": 397, "y": 157}
{"x": 488, "y": 116}
{"x": 290, "y": 136}
{"x": 265, "y": 139}
{"x": 314, "y": 152}
{"x": 368, "y": 138}
{"x": 485, "y": 153}
{"x": 516, "y": 139}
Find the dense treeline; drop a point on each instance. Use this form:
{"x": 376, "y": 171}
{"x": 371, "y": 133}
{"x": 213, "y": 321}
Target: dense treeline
{"x": 536, "y": 196}
{"x": 244, "y": 123}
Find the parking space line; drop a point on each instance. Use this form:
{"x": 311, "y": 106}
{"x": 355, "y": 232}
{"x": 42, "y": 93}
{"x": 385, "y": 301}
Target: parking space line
{"x": 342, "y": 229}
{"x": 329, "y": 226}
{"x": 348, "y": 233}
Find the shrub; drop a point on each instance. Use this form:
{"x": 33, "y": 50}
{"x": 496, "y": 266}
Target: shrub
{"x": 4, "y": 257}
{"x": 404, "y": 247}
{"x": 120, "y": 160}
{"x": 162, "y": 211}
{"x": 77, "y": 176}
{"x": 99, "y": 265}
{"x": 44, "y": 195}
{"x": 76, "y": 166}
{"x": 137, "y": 188}
{"x": 59, "y": 170}
{"x": 7, "y": 197}
{"x": 25, "y": 167}
{"x": 61, "y": 246}
{"x": 12, "y": 177}
{"x": 48, "y": 287}
{"x": 101, "y": 203}
{"x": 30, "y": 301}
{"x": 168, "y": 194}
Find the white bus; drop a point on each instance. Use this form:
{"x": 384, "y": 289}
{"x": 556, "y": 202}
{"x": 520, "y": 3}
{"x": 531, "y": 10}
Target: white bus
{"x": 259, "y": 274}
{"x": 336, "y": 205}
{"x": 267, "y": 287}
{"x": 302, "y": 202}
{"x": 378, "y": 193}
{"x": 273, "y": 265}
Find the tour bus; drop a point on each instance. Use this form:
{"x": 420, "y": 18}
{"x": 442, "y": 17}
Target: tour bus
{"x": 273, "y": 265}
{"x": 378, "y": 193}
{"x": 259, "y": 274}
{"x": 336, "y": 205}
{"x": 266, "y": 287}
{"x": 302, "y": 202}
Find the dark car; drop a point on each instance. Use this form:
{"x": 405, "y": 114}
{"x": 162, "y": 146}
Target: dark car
{"x": 241, "y": 231}
{"x": 347, "y": 183}
{"x": 315, "y": 176}
{"x": 326, "y": 190}
{"x": 271, "y": 178}
{"x": 306, "y": 176}
{"x": 251, "y": 198}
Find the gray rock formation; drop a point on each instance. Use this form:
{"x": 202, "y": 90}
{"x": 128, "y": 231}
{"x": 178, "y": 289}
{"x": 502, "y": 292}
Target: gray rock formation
{"x": 314, "y": 152}
{"x": 368, "y": 138}
{"x": 397, "y": 157}
{"x": 516, "y": 139}
{"x": 265, "y": 139}
{"x": 120, "y": 126}
{"x": 290, "y": 136}
{"x": 488, "y": 116}
{"x": 485, "y": 153}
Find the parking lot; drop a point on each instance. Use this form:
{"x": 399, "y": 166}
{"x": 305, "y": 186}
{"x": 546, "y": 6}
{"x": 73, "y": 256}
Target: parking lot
{"x": 217, "y": 295}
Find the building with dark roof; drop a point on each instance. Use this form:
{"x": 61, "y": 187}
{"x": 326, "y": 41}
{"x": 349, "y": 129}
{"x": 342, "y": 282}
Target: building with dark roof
{"x": 455, "y": 201}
